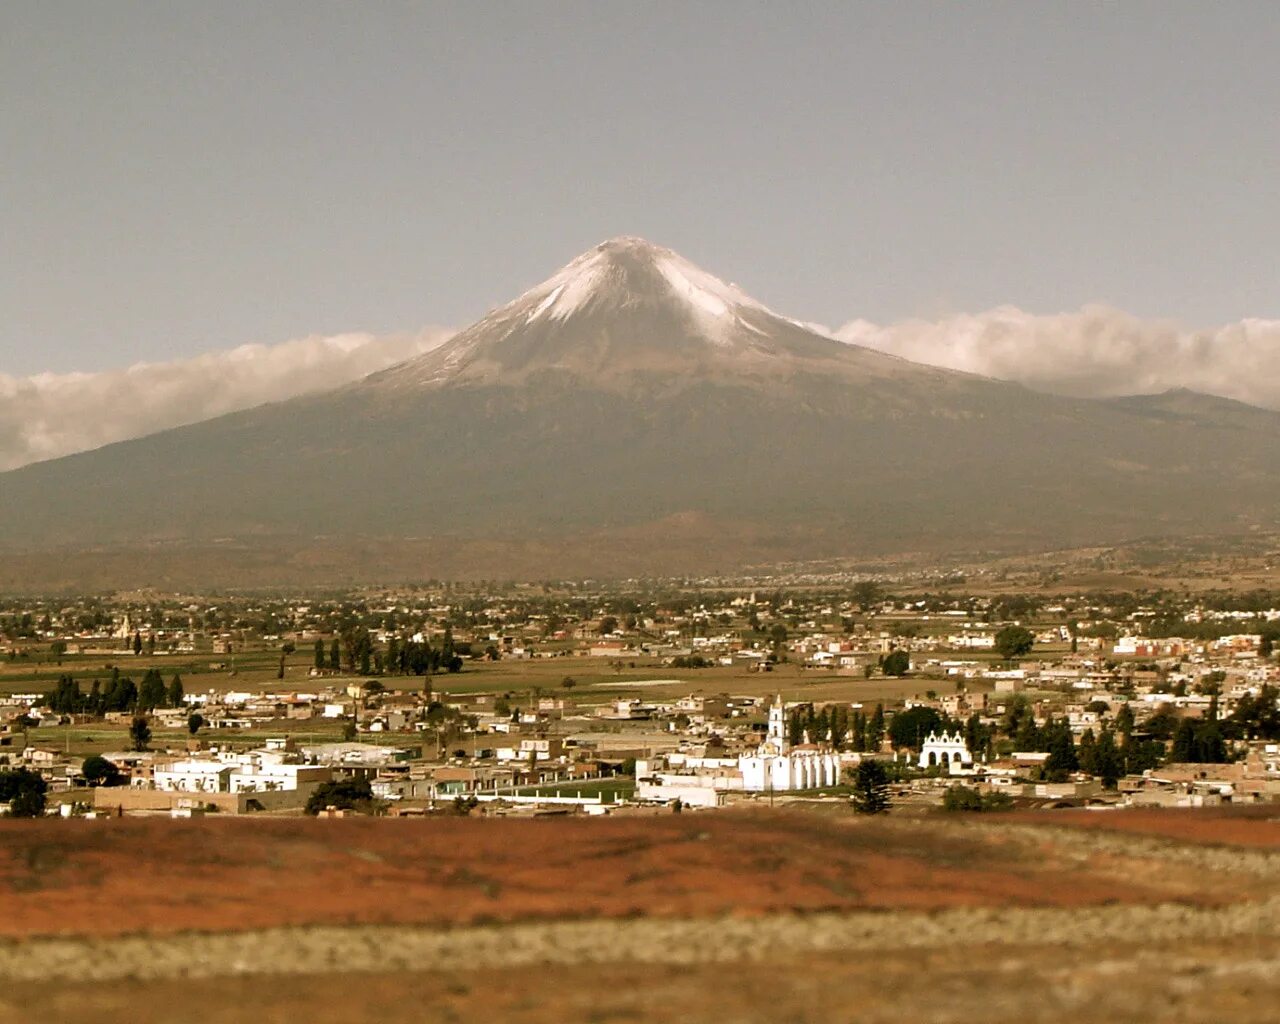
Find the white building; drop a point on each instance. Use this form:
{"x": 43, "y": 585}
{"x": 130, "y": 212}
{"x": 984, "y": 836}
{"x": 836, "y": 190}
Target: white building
{"x": 256, "y": 771}
{"x": 777, "y": 766}
{"x": 946, "y": 751}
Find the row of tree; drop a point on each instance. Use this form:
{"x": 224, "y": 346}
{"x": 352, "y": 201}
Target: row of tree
{"x": 838, "y": 725}
{"x": 355, "y": 651}
{"x": 119, "y": 694}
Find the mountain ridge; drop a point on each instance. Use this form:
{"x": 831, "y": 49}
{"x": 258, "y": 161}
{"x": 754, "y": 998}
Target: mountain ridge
{"x": 634, "y": 400}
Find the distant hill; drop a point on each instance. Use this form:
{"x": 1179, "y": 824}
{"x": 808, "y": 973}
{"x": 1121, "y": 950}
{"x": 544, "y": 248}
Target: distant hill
{"x": 634, "y": 414}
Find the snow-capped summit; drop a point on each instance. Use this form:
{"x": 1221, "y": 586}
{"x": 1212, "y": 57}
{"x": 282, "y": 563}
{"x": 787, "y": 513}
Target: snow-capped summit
{"x": 623, "y": 308}
{"x": 622, "y": 269}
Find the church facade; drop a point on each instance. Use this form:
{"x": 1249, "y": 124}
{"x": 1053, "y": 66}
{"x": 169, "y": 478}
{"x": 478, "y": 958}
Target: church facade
{"x": 944, "y": 750}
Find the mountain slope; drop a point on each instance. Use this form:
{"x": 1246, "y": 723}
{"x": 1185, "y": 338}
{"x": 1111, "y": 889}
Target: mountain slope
{"x": 635, "y": 410}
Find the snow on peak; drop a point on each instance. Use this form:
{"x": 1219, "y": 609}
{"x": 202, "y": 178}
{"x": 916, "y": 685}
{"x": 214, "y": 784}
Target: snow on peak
{"x": 618, "y": 269}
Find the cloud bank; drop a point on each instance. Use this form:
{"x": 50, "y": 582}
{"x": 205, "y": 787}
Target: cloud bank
{"x": 48, "y": 415}
{"x": 1096, "y": 352}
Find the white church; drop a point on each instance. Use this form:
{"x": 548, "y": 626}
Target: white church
{"x": 777, "y": 766}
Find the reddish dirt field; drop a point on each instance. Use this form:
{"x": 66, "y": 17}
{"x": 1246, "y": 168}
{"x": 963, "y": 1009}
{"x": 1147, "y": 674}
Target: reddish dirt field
{"x": 1250, "y": 827}
{"x": 156, "y": 875}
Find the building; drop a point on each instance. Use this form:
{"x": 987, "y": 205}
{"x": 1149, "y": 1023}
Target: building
{"x": 946, "y": 751}
{"x": 777, "y": 766}
{"x": 705, "y": 779}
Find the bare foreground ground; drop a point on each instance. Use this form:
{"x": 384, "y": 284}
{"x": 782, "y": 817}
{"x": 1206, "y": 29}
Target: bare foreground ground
{"x": 967, "y": 983}
{"x": 787, "y": 916}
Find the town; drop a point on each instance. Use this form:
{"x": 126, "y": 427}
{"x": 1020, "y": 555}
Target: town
{"x": 592, "y": 699}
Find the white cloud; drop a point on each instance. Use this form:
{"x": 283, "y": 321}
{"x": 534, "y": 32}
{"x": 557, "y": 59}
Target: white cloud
{"x": 56, "y": 414}
{"x": 1095, "y": 352}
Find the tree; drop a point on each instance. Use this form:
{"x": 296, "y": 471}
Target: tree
{"x": 344, "y": 794}
{"x": 866, "y": 593}
{"x": 319, "y": 659}
{"x": 1257, "y": 716}
{"x": 137, "y": 643}
{"x": 1139, "y": 756}
{"x": 795, "y": 728}
{"x": 1184, "y": 741}
{"x": 24, "y": 791}
{"x": 568, "y": 682}
{"x": 870, "y": 788}
{"x": 608, "y": 624}
{"x": 1162, "y": 724}
{"x": 152, "y": 693}
{"x": 349, "y": 731}
{"x": 335, "y": 654}
{"x": 1062, "y": 751}
{"x": 1014, "y": 642}
{"x": 194, "y": 722}
{"x": 896, "y": 663}
{"x": 909, "y": 728}
{"x": 1199, "y": 743}
{"x": 1108, "y": 761}
{"x": 98, "y": 771}
{"x": 66, "y": 699}
{"x": 1267, "y": 645}
{"x": 1017, "y": 711}
{"x": 875, "y": 729}
{"x": 140, "y": 733}
{"x": 176, "y": 691}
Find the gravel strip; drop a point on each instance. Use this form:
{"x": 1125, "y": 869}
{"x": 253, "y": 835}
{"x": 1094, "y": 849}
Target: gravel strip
{"x": 653, "y": 941}
{"x": 1084, "y": 844}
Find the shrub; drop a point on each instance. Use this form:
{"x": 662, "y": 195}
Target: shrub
{"x": 966, "y": 798}
{"x": 345, "y": 794}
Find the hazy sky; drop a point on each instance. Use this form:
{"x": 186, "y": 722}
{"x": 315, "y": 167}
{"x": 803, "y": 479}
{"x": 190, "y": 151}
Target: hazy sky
{"x": 182, "y": 177}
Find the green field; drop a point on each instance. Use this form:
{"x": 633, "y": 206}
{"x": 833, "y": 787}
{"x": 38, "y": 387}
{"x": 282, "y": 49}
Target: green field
{"x": 619, "y": 787}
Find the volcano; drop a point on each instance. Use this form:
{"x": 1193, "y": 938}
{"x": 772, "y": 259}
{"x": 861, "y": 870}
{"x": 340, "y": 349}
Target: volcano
{"x": 634, "y": 414}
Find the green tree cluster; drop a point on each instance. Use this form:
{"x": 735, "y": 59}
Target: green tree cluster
{"x": 344, "y": 794}
{"x": 98, "y": 771}
{"x": 1014, "y": 642}
{"x": 24, "y": 791}
{"x": 896, "y": 663}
